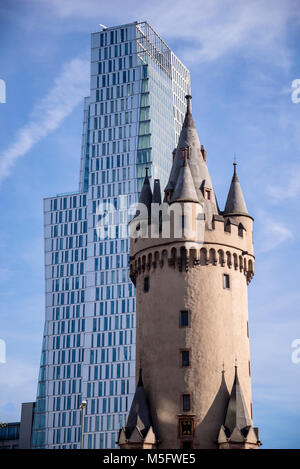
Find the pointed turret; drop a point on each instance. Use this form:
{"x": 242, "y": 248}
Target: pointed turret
{"x": 146, "y": 198}
{"x": 138, "y": 432}
{"x": 185, "y": 189}
{"x": 237, "y": 414}
{"x": 146, "y": 192}
{"x": 235, "y": 204}
{"x": 189, "y": 146}
{"x": 237, "y": 431}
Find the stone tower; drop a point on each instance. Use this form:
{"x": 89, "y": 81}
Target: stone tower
{"x": 191, "y": 264}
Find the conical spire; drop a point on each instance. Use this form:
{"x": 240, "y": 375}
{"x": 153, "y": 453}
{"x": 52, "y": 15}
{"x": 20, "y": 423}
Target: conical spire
{"x": 237, "y": 414}
{"x": 185, "y": 189}
{"x": 188, "y": 120}
{"x": 235, "y": 204}
{"x": 146, "y": 193}
{"x": 140, "y": 414}
{"x": 189, "y": 143}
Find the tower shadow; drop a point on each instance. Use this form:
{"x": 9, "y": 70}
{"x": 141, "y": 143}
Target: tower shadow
{"x": 207, "y": 431}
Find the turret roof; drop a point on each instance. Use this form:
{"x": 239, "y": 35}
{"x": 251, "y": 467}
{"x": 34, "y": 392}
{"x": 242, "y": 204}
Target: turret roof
{"x": 185, "y": 189}
{"x": 140, "y": 414}
{"x": 146, "y": 192}
{"x": 235, "y": 204}
{"x": 237, "y": 414}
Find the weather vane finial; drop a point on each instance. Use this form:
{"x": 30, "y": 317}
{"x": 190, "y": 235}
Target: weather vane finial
{"x": 188, "y": 98}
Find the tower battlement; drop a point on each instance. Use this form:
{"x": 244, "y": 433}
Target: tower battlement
{"x": 227, "y": 243}
{"x": 187, "y": 255}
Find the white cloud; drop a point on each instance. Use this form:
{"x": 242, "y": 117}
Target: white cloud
{"x": 68, "y": 91}
{"x": 271, "y": 233}
{"x": 211, "y": 28}
{"x": 291, "y": 188}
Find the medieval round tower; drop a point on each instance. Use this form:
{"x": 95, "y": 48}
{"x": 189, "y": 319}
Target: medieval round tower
{"x": 191, "y": 264}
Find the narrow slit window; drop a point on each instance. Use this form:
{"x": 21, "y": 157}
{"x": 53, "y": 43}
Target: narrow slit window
{"x": 186, "y": 402}
{"x": 226, "y": 281}
{"x": 207, "y": 194}
{"x": 185, "y": 358}
{"x": 146, "y": 284}
{"x": 184, "y": 318}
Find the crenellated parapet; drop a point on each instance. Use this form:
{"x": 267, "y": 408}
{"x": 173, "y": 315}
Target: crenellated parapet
{"x": 228, "y": 244}
{"x": 185, "y": 256}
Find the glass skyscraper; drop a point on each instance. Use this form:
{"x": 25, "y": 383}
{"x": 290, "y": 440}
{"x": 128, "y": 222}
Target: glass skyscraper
{"x": 132, "y": 120}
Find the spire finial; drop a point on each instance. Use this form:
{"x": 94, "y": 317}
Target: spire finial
{"x": 188, "y": 98}
{"x": 147, "y": 169}
{"x": 235, "y": 176}
{"x": 234, "y": 165}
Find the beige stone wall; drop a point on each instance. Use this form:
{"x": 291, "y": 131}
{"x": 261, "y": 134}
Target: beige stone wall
{"x": 217, "y": 335}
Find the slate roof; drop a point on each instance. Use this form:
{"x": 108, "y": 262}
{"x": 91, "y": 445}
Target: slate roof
{"x": 146, "y": 192}
{"x": 235, "y": 204}
{"x": 140, "y": 414}
{"x": 185, "y": 190}
{"x": 237, "y": 414}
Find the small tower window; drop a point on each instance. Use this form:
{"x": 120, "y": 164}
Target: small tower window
{"x": 184, "y": 318}
{"x": 241, "y": 230}
{"x": 226, "y": 281}
{"x": 186, "y": 402}
{"x": 227, "y": 226}
{"x": 146, "y": 284}
{"x": 185, "y": 358}
{"x": 207, "y": 194}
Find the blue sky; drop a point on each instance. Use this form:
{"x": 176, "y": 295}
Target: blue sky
{"x": 243, "y": 57}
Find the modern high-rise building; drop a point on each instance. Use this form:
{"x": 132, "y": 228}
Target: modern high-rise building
{"x": 132, "y": 120}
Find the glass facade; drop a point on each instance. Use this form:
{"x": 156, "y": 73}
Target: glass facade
{"x": 132, "y": 120}
{"x": 9, "y": 436}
